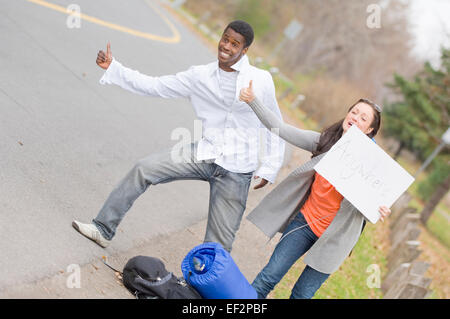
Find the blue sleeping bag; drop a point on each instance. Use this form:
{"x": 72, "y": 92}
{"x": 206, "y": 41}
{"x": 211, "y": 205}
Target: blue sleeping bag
{"x": 212, "y": 272}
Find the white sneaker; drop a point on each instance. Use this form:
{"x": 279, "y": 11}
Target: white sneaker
{"x": 91, "y": 232}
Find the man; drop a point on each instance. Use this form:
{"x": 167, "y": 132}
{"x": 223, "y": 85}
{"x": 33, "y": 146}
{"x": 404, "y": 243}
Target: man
{"x": 224, "y": 156}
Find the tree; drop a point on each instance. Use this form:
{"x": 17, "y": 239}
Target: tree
{"x": 418, "y": 120}
{"x": 256, "y": 13}
{"x": 413, "y": 120}
{"x": 436, "y": 197}
{"x": 337, "y": 42}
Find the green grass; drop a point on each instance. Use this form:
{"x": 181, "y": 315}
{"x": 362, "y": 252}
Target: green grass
{"x": 282, "y": 83}
{"x": 350, "y": 281}
{"x": 439, "y": 225}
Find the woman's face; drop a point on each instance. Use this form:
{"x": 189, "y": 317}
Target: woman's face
{"x": 360, "y": 115}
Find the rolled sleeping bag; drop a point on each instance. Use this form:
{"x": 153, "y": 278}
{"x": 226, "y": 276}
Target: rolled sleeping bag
{"x": 211, "y": 270}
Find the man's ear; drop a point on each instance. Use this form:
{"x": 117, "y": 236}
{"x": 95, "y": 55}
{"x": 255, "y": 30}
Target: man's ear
{"x": 244, "y": 51}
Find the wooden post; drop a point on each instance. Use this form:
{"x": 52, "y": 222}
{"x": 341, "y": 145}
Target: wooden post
{"x": 407, "y": 291}
{"x": 402, "y": 222}
{"x": 410, "y": 232}
{"x": 400, "y": 215}
{"x": 406, "y": 252}
{"x": 419, "y": 268}
{"x": 406, "y": 283}
{"x": 400, "y": 205}
{"x": 395, "y": 275}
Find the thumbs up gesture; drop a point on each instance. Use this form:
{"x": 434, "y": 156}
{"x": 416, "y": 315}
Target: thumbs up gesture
{"x": 247, "y": 94}
{"x": 104, "y": 59}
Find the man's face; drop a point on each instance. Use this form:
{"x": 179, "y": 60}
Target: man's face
{"x": 231, "y": 49}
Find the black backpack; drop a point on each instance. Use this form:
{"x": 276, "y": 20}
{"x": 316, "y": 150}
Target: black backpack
{"x": 147, "y": 278}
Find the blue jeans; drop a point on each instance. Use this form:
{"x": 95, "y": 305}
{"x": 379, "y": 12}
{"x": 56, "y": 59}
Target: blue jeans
{"x": 286, "y": 253}
{"x": 228, "y": 192}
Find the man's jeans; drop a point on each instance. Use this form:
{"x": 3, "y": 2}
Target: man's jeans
{"x": 286, "y": 253}
{"x": 228, "y": 192}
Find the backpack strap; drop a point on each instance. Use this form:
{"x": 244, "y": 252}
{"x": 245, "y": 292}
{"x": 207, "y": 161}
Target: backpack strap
{"x": 112, "y": 267}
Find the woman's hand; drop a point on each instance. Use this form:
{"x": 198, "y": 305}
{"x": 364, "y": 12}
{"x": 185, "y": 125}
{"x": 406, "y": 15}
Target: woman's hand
{"x": 384, "y": 212}
{"x": 247, "y": 94}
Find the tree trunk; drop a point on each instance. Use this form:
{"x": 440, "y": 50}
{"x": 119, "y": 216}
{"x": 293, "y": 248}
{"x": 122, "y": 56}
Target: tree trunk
{"x": 438, "y": 194}
{"x": 399, "y": 150}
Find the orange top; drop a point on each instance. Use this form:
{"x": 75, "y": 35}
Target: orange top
{"x": 323, "y": 202}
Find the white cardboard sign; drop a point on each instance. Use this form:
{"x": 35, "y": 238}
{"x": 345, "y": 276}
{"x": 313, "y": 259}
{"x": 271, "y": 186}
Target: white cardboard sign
{"x": 363, "y": 173}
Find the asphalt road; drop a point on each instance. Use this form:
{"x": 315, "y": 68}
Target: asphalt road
{"x": 66, "y": 140}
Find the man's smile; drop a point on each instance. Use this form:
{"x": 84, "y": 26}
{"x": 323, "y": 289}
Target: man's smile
{"x": 224, "y": 54}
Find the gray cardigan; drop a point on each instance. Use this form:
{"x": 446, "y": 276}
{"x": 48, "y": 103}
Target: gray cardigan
{"x": 281, "y": 205}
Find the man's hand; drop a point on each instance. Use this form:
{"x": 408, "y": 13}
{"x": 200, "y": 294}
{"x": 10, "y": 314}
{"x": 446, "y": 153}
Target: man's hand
{"x": 261, "y": 184}
{"x": 247, "y": 94}
{"x": 104, "y": 59}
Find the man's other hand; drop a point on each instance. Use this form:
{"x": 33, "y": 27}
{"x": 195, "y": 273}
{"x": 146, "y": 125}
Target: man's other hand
{"x": 261, "y": 184}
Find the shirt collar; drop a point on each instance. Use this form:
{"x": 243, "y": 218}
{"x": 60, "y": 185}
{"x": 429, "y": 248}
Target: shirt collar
{"x": 239, "y": 66}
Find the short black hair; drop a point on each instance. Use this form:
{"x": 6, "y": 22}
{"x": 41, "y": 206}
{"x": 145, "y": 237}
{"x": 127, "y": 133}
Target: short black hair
{"x": 244, "y": 29}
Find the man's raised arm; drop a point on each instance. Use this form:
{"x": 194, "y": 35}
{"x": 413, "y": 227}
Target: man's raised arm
{"x": 167, "y": 86}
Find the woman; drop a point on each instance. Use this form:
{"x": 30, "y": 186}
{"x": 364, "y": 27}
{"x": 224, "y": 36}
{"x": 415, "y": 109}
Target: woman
{"x": 319, "y": 220}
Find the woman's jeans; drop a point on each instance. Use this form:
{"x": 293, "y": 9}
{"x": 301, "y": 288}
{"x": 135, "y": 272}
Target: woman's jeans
{"x": 286, "y": 253}
{"x": 228, "y": 192}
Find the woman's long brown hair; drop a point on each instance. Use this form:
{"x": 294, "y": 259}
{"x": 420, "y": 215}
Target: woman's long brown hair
{"x": 332, "y": 134}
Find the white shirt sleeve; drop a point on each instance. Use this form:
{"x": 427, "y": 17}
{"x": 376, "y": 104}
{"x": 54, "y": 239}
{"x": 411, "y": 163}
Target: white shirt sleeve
{"x": 272, "y": 159}
{"x": 167, "y": 86}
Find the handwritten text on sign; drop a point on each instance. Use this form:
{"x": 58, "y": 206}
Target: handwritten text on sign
{"x": 363, "y": 173}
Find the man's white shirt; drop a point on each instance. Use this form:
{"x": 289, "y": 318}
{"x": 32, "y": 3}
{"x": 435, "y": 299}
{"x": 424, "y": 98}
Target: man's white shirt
{"x": 232, "y": 134}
